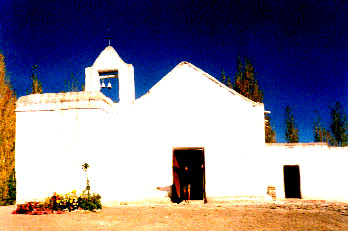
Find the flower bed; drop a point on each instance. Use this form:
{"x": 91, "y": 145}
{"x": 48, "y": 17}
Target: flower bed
{"x": 61, "y": 203}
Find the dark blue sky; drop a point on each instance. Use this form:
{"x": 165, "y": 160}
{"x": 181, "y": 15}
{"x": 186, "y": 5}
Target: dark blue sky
{"x": 299, "y": 48}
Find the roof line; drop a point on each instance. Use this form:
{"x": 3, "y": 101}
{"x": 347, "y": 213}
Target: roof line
{"x": 219, "y": 83}
{"x": 210, "y": 78}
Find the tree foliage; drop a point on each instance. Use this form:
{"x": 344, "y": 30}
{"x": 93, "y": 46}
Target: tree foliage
{"x": 245, "y": 83}
{"x": 269, "y": 133}
{"x": 7, "y": 137}
{"x": 321, "y": 134}
{"x": 226, "y": 79}
{"x": 339, "y": 124}
{"x": 36, "y": 86}
{"x": 291, "y": 133}
{"x": 73, "y": 84}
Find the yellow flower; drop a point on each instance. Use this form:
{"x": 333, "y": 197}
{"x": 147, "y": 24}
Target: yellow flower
{"x": 58, "y": 201}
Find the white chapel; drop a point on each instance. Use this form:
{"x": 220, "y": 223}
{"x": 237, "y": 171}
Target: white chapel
{"x": 149, "y": 149}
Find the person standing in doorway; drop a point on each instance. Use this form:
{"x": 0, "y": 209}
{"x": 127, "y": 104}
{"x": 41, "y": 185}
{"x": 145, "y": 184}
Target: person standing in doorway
{"x": 187, "y": 185}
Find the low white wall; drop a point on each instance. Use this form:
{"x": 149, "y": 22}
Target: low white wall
{"x": 323, "y": 169}
{"x": 55, "y": 135}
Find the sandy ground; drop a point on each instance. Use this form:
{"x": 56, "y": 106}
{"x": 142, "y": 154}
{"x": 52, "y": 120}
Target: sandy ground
{"x": 194, "y": 216}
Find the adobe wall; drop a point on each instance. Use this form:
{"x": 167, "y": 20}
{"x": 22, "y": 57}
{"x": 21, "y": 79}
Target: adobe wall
{"x": 55, "y": 135}
{"x": 323, "y": 169}
{"x": 187, "y": 110}
{"x": 130, "y": 151}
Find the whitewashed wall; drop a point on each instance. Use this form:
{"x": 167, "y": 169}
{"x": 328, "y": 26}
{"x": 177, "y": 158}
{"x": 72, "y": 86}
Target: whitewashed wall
{"x": 55, "y": 135}
{"x": 129, "y": 146}
{"x": 323, "y": 169}
{"x": 189, "y": 108}
{"x": 130, "y": 149}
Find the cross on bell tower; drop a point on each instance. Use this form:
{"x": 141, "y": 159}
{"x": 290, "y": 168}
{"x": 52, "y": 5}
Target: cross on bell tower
{"x": 108, "y": 37}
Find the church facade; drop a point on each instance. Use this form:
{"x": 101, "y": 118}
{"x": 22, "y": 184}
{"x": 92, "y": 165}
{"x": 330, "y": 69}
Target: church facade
{"x": 155, "y": 147}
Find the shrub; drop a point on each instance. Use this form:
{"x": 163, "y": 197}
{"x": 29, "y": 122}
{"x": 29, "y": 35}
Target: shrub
{"x": 60, "y": 204}
{"x": 32, "y": 208}
{"x": 90, "y": 202}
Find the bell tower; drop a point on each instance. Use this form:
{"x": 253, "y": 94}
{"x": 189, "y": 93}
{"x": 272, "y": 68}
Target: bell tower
{"x": 110, "y": 65}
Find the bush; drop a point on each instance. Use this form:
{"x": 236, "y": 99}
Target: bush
{"x": 10, "y": 198}
{"x": 32, "y": 208}
{"x": 90, "y": 202}
{"x": 60, "y": 204}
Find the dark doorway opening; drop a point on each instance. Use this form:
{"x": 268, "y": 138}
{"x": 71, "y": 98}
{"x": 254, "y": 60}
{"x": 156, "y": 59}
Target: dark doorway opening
{"x": 188, "y": 175}
{"x": 292, "y": 181}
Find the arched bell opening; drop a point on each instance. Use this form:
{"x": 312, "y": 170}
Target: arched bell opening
{"x": 109, "y": 84}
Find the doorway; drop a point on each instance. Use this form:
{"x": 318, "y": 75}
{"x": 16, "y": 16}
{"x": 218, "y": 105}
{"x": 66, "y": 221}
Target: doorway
{"x": 188, "y": 174}
{"x": 292, "y": 181}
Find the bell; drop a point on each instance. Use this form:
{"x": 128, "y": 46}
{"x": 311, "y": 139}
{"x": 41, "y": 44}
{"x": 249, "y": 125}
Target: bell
{"x": 109, "y": 85}
{"x": 103, "y": 85}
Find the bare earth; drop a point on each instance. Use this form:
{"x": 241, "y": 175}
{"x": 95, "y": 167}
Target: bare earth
{"x": 283, "y": 215}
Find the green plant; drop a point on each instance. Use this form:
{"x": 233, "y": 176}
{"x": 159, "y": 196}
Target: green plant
{"x": 32, "y": 208}
{"x": 91, "y": 202}
{"x": 88, "y": 201}
{"x": 61, "y": 203}
{"x": 85, "y": 167}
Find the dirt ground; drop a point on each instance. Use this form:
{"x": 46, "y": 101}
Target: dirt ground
{"x": 289, "y": 215}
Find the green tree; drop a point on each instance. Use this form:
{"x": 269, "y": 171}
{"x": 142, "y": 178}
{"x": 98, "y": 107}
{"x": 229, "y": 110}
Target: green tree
{"x": 7, "y": 137}
{"x": 11, "y": 184}
{"x": 223, "y": 77}
{"x": 245, "y": 82}
{"x": 73, "y": 84}
{"x": 36, "y": 86}
{"x": 339, "y": 125}
{"x": 269, "y": 133}
{"x": 85, "y": 167}
{"x": 291, "y": 133}
{"x": 226, "y": 79}
{"x": 321, "y": 134}
{"x": 239, "y": 76}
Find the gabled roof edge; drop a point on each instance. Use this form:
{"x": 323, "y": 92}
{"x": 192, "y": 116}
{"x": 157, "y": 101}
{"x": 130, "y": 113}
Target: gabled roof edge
{"x": 206, "y": 75}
